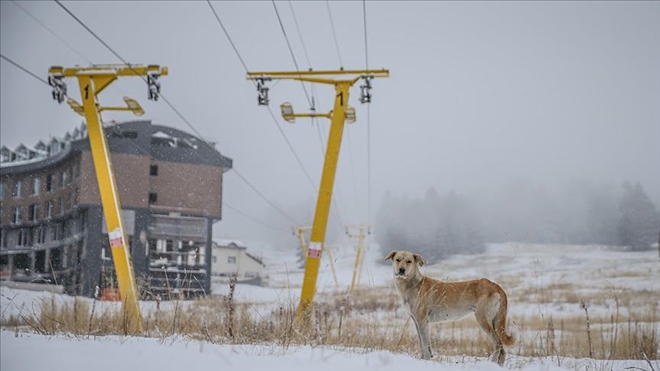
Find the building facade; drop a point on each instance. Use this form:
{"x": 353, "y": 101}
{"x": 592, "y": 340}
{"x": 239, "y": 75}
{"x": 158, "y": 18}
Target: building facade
{"x": 52, "y": 224}
{"x": 230, "y": 259}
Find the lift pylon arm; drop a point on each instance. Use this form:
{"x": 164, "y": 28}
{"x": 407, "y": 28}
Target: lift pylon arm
{"x": 114, "y": 69}
{"x": 295, "y": 74}
{"x": 104, "y": 74}
{"x": 92, "y": 81}
{"x": 340, "y": 114}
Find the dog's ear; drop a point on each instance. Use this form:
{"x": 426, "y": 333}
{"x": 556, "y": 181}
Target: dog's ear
{"x": 390, "y": 255}
{"x": 418, "y": 259}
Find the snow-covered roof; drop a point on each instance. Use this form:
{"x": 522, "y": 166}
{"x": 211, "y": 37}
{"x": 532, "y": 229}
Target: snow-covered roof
{"x": 160, "y": 134}
{"x": 41, "y": 145}
{"x": 23, "y": 154}
{"x": 222, "y": 242}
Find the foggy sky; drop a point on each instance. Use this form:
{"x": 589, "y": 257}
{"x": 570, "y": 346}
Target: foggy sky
{"x": 480, "y": 93}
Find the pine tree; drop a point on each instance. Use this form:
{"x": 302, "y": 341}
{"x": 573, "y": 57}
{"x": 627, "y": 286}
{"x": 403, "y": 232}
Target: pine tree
{"x": 639, "y": 221}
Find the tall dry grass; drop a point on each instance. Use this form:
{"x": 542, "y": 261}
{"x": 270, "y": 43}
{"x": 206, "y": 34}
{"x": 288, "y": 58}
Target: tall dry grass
{"x": 369, "y": 319}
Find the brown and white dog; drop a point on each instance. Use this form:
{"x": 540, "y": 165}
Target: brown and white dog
{"x": 428, "y": 300}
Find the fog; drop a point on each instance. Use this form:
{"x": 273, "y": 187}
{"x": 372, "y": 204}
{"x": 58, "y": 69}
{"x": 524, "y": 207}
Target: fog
{"x": 486, "y": 99}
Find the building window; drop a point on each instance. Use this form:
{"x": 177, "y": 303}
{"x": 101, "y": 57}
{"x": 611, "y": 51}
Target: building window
{"x": 153, "y": 170}
{"x": 63, "y": 179}
{"x": 73, "y": 172}
{"x": 60, "y": 202}
{"x": 36, "y": 186}
{"x": 18, "y": 189}
{"x": 49, "y": 182}
{"x": 39, "y": 235}
{"x": 72, "y": 199}
{"x": 16, "y": 215}
{"x": 215, "y": 259}
{"x": 22, "y": 237}
{"x": 49, "y": 209}
{"x": 153, "y": 198}
{"x": 123, "y": 134}
{"x": 34, "y": 212}
{"x": 54, "y": 232}
{"x": 231, "y": 260}
{"x": 2, "y": 191}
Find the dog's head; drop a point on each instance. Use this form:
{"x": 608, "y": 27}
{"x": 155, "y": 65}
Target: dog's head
{"x": 404, "y": 263}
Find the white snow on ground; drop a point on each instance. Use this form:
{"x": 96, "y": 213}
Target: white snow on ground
{"x": 20, "y": 351}
{"x": 534, "y": 266}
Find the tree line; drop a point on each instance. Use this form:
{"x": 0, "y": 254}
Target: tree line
{"x": 581, "y": 212}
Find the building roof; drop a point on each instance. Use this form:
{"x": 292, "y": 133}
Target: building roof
{"x": 226, "y": 242}
{"x": 138, "y": 137}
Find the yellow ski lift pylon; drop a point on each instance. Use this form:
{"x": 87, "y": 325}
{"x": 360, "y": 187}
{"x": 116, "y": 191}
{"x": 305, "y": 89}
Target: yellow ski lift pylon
{"x": 92, "y": 81}
{"x": 338, "y": 117}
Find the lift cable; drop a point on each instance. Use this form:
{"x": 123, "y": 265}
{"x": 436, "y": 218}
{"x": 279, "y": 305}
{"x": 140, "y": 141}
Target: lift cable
{"x": 309, "y": 64}
{"x": 140, "y": 150}
{"x": 61, "y": 39}
{"x": 288, "y": 43}
{"x": 309, "y": 178}
{"x": 334, "y": 34}
{"x": 366, "y": 60}
{"x": 173, "y": 108}
{"x": 279, "y": 127}
{"x": 52, "y": 32}
{"x": 336, "y": 213}
{"x": 302, "y": 42}
{"x": 129, "y": 65}
{"x": 217, "y": 18}
{"x": 24, "y": 69}
{"x": 254, "y": 219}
{"x": 348, "y": 132}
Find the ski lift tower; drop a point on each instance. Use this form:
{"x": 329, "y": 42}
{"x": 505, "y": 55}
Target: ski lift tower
{"x": 341, "y": 113}
{"x": 93, "y": 80}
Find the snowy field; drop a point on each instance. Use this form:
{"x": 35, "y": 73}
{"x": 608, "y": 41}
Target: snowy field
{"x": 544, "y": 282}
{"x": 20, "y": 351}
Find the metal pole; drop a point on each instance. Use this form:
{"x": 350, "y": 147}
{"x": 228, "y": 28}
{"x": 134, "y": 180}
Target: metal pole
{"x": 317, "y": 239}
{"x": 110, "y": 201}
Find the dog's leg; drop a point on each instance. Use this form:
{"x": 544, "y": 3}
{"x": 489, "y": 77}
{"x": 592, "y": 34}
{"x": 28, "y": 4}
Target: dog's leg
{"x": 500, "y": 354}
{"x": 485, "y": 319}
{"x": 423, "y": 337}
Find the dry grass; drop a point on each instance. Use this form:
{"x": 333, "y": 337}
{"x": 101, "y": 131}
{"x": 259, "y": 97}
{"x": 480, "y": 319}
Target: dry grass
{"x": 366, "y": 320}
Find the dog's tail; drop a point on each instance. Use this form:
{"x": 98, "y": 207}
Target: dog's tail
{"x": 499, "y": 323}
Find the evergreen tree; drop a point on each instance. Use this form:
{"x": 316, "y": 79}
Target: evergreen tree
{"x": 435, "y": 227}
{"x": 639, "y": 222}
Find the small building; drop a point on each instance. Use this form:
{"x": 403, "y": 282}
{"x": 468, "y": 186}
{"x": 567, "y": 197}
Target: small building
{"x": 231, "y": 259}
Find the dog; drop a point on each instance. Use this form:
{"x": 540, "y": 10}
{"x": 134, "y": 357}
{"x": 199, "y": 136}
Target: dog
{"x": 429, "y": 300}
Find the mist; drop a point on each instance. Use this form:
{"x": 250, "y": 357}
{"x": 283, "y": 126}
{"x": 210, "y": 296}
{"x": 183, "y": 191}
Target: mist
{"x": 526, "y": 109}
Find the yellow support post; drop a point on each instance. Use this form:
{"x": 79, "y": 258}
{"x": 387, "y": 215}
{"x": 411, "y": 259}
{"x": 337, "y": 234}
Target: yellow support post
{"x": 338, "y": 117}
{"x": 359, "y": 271}
{"x": 92, "y": 81}
{"x": 300, "y": 231}
{"x": 332, "y": 265}
{"x": 359, "y": 256}
{"x": 324, "y": 200}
